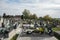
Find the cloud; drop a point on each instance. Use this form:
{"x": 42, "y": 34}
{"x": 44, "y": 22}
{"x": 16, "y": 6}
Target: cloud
{"x": 39, "y": 7}
{"x": 21, "y": 1}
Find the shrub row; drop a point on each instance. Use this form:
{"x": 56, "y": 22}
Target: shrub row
{"x": 57, "y": 35}
{"x": 14, "y": 37}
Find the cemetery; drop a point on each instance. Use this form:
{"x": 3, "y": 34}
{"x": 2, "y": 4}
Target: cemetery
{"x": 31, "y": 25}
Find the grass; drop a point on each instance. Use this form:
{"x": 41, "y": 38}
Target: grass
{"x": 14, "y": 37}
{"x": 56, "y": 29}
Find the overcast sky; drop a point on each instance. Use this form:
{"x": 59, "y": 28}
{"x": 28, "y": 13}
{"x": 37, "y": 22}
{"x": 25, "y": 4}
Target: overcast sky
{"x": 39, "y": 7}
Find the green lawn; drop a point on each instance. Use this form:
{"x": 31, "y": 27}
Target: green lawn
{"x": 56, "y": 29}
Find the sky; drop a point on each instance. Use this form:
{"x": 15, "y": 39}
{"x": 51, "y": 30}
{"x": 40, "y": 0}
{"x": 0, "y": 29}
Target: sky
{"x": 38, "y": 7}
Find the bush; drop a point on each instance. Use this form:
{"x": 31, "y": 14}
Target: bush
{"x": 14, "y": 37}
{"x": 41, "y": 29}
{"x": 56, "y": 29}
{"x": 57, "y": 35}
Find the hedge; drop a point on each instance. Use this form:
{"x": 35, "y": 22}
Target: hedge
{"x": 14, "y": 37}
{"x": 57, "y": 35}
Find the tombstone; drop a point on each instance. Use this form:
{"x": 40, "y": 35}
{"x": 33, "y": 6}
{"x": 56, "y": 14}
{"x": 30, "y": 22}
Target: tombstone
{"x": 35, "y": 25}
{"x": 15, "y": 26}
{"x": 3, "y": 25}
{"x": 49, "y": 29}
{"x": 6, "y": 33}
{"x": 41, "y": 24}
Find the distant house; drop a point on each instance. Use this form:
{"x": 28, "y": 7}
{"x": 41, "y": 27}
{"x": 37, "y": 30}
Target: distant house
{"x": 12, "y": 18}
{"x": 17, "y": 17}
